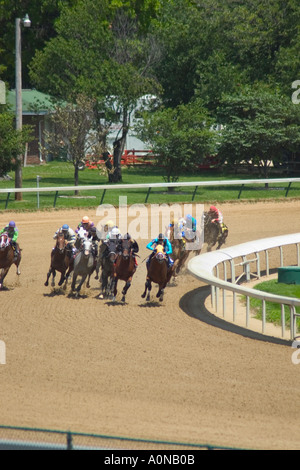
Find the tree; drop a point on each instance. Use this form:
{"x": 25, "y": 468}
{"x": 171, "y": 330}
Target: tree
{"x": 73, "y": 126}
{"x": 180, "y": 137}
{"x": 109, "y": 61}
{"x": 12, "y": 142}
{"x": 261, "y": 125}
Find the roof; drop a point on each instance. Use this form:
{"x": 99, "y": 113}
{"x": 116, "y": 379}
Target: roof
{"x": 33, "y": 102}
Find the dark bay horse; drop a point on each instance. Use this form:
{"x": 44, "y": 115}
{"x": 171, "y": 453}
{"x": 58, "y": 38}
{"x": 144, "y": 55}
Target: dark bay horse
{"x": 84, "y": 265}
{"x": 212, "y": 233}
{"x": 7, "y": 257}
{"x": 158, "y": 272}
{"x": 179, "y": 252}
{"x": 60, "y": 261}
{"x": 107, "y": 272}
{"x": 124, "y": 268}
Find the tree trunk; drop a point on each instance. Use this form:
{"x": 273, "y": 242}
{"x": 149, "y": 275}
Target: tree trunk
{"x": 119, "y": 147}
{"x": 76, "y": 178}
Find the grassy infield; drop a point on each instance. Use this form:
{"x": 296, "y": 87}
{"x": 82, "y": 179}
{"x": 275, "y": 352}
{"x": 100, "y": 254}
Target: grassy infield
{"x": 61, "y": 174}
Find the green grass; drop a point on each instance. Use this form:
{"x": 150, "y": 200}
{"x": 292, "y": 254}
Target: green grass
{"x": 59, "y": 173}
{"x": 273, "y": 311}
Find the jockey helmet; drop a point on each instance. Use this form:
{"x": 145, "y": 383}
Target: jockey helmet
{"x": 85, "y": 219}
{"x": 109, "y": 224}
{"x": 115, "y": 231}
{"x": 11, "y": 224}
{"x": 65, "y": 227}
{"x": 160, "y": 236}
{"x": 189, "y": 217}
{"x": 213, "y": 209}
{"x": 127, "y": 236}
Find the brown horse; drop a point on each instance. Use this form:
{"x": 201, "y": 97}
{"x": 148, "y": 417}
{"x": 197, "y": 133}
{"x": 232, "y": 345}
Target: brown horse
{"x": 179, "y": 252}
{"x": 60, "y": 261}
{"x": 213, "y": 234}
{"x": 7, "y": 257}
{"x": 158, "y": 272}
{"x": 124, "y": 268}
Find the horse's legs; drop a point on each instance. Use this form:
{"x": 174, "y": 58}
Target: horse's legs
{"x": 83, "y": 278}
{"x": 3, "y": 273}
{"x": 73, "y": 282}
{"x": 148, "y": 287}
{"x": 103, "y": 285}
{"x": 160, "y": 293}
{"x": 48, "y": 275}
{"x": 125, "y": 289}
{"x": 17, "y": 263}
{"x": 62, "y": 278}
{"x": 114, "y": 284}
{"x": 67, "y": 277}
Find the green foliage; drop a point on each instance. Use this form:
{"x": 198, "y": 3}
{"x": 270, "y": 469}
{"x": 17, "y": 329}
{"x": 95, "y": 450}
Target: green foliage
{"x": 261, "y": 126}
{"x": 180, "y": 137}
{"x": 11, "y": 142}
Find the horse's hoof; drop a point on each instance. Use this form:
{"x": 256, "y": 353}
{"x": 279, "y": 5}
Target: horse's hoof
{"x": 101, "y": 296}
{"x": 113, "y": 298}
{"x": 46, "y": 284}
{"x": 143, "y": 295}
{"x": 123, "y": 299}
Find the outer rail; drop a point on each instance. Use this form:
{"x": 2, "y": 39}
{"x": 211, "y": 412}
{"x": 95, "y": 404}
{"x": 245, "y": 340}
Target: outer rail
{"x": 241, "y": 183}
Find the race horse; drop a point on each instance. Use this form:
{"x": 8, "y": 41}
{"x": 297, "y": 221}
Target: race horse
{"x": 157, "y": 272}
{"x": 61, "y": 261}
{"x": 84, "y": 265}
{"x": 7, "y": 257}
{"x": 179, "y": 252}
{"x": 107, "y": 272}
{"x": 124, "y": 268}
{"x": 213, "y": 234}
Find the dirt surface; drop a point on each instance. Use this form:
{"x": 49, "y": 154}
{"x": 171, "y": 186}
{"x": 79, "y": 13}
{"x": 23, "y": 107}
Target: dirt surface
{"x": 150, "y": 371}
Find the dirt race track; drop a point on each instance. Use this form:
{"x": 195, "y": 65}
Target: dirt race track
{"x": 148, "y": 371}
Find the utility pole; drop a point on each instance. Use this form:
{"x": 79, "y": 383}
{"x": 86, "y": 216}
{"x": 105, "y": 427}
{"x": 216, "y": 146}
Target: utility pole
{"x": 18, "y": 171}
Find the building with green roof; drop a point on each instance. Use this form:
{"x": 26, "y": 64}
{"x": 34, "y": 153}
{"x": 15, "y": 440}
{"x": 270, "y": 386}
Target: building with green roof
{"x": 36, "y": 109}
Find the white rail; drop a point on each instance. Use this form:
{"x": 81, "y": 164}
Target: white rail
{"x": 204, "y": 266}
{"x": 104, "y": 187}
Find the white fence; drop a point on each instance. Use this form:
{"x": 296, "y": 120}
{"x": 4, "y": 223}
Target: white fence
{"x": 196, "y": 184}
{"x": 206, "y": 267}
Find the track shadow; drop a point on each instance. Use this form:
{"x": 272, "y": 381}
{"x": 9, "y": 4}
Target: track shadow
{"x": 193, "y": 304}
{"x": 55, "y": 292}
{"x": 151, "y": 303}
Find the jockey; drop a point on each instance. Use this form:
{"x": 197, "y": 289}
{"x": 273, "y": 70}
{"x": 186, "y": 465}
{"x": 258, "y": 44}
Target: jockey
{"x": 70, "y": 237}
{"x": 217, "y": 217}
{"x": 160, "y": 240}
{"x": 93, "y": 236}
{"x": 114, "y": 234}
{"x": 134, "y": 246}
{"x": 191, "y": 223}
{"x": 13, "y": 234}
{"x": 86, "y": 224}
